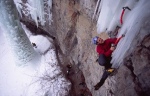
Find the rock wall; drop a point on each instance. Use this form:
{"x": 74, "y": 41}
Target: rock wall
{"x": 73, "y": 28}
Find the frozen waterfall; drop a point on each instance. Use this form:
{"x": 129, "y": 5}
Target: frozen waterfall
{"x": 46, "y": 79}
{"x": 18, "y": 40}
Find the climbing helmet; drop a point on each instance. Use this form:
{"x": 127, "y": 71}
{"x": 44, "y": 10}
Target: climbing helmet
{"x": 94, "y": 39}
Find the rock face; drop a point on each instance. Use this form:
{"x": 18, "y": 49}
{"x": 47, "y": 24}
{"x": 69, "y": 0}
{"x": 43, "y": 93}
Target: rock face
{"x": 141, "y": 64}
{"x": 73, "y": 28}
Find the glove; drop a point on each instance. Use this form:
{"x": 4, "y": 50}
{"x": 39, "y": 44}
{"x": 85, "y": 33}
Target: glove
{"x": 113, "y": 45}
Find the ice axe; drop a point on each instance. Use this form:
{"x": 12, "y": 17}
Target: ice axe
{"x": 124, "y": 8}
{"x": 122, "y": 14}
{"x": 118, "y": 39}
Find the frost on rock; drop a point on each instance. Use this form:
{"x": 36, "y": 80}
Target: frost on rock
{"x": 109, "y": 18}
{"x": 38, "y": 10}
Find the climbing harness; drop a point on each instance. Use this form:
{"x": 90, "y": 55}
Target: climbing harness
{"x": 122, "y": 14}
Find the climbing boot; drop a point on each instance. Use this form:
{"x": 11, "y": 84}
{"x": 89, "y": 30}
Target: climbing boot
{"x": 110, "y": 70}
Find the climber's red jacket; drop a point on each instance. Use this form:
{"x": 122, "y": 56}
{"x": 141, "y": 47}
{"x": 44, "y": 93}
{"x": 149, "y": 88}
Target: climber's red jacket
{"x": 105, "y": 47}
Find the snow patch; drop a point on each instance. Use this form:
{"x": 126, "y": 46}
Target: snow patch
{"x": 41, "y": 42}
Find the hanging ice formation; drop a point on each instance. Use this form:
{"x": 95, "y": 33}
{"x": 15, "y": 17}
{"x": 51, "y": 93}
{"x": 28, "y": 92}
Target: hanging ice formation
{"x": 22, "y": 48}
{"x": 110, "y": 14}
{"x": 97, "y": 9}
{"x": 38, "y": 10}
{"x": 109, "y": 18}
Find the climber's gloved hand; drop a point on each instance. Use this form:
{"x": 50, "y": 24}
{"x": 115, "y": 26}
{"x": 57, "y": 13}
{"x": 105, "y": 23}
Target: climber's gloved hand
{"x": 113, "y": 47}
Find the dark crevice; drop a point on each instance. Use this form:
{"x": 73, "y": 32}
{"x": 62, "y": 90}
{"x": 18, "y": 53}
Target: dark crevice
{"x": 137, "y": 87}
{"x": 129, "y": 65}
{"x": 70, "y": 41}
{"x": 74, "y": 17}
{"x": 73, "y": 74}
{"x": 141, "y": 50}
{"x": 34, "y": 29}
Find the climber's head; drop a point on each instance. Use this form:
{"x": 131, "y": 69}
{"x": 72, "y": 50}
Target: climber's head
{"x": 97, "y": 40}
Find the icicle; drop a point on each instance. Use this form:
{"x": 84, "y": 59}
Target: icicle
{"x": 33, "y": 13}
{"x": 19, "y": 7}
{"x": 40, "y": 11}
{"x": 115, "y": 19}
{"x": 96, "y": 8}
{"x": 108, "y": 11}
{"x": 37, "y": 10}
{"x": 49, "y": 12}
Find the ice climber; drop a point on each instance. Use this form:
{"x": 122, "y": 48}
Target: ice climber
{"x": 104, "y": 49}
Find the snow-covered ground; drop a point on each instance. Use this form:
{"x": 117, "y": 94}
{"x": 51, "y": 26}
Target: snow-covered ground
{"x": 45, "y": 78}
{"x": 132, "y": 23}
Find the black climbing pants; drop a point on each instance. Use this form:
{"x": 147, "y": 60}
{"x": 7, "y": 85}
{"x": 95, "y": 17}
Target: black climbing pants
{"x": 103, "y": 61}
{"x": 104, "y": 77}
